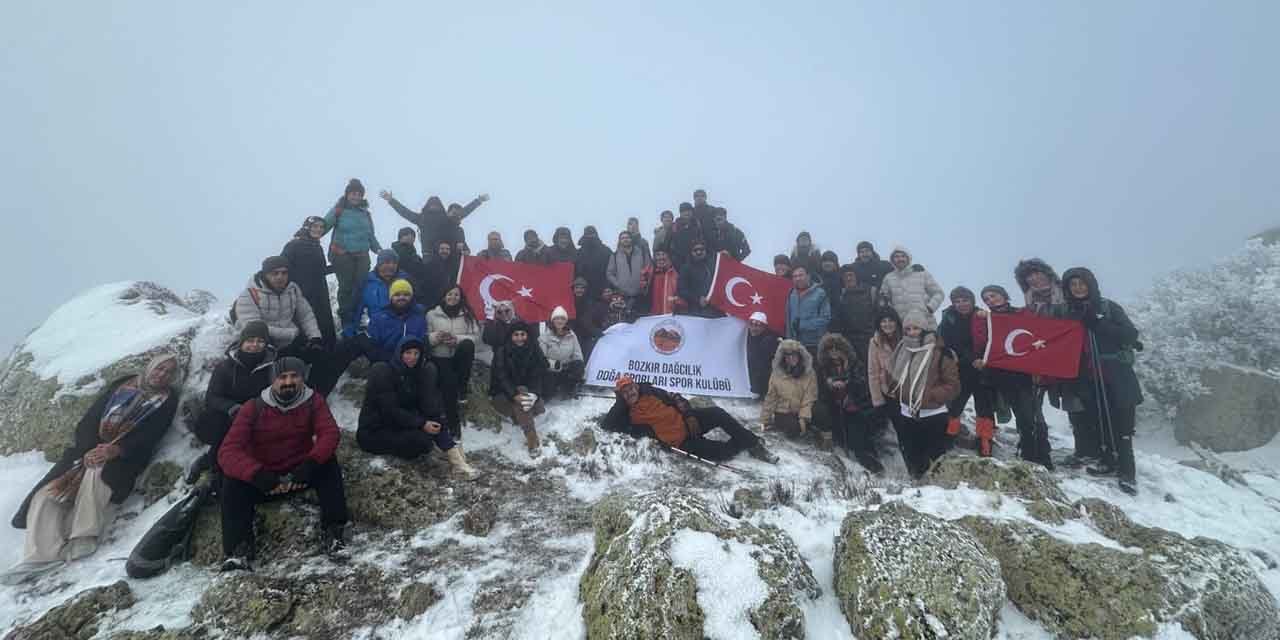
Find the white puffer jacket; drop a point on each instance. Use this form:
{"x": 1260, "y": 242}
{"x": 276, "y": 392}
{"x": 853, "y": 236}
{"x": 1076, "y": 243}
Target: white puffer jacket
{"x": 911, "y": 289}
{"x": 462, "y": 327}
{"x": 562, "y": 349}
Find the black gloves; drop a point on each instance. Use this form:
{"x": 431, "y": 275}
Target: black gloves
{"x": 315, "y": 344}
{"x": 302, "y": 473}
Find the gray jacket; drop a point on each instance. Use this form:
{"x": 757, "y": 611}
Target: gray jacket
{"x": 626, "y": 273}
{"x": 286, "y": 312}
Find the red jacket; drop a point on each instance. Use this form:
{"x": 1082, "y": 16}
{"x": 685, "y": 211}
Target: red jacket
{"x": 662, "y": 287}
{"x": 278, "y": 440}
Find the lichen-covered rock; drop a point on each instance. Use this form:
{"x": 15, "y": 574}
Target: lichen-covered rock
{"x": 1089, "y": 590}
{"x": 415, "y": 599}
{"x": 158, "y": 481}
{"x": 77, "y": 619}
{"x": 903, "y": 574}
{"x": 283, "y": 529}
{"x": 326, "y": 605}
{"x": 479, "y": 519}
{"x": 1238, "y": 414}
{"x": 632, "y": 589}
{"x": 1014, "y": 478}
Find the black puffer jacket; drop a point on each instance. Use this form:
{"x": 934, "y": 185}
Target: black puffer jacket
{"x": 235, "y": 382}
{"x": 398, "y": 398}
{"x": 871, "y": 272}
{"x": 1116, "y": 340}
{"x": 517, "y": 367}
{"x": 308, "y": 268}
{"x": 412, "y": 264}
{"x": 760, "y": 350}
{"x": 593, "y": 261}
{"x": 694, "y": 282}
{"x": 957, "y": 331}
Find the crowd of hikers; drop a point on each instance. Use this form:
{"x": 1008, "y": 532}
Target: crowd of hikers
{"x": 864, "y": 352}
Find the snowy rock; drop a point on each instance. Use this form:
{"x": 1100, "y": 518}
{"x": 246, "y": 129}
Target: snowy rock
{"x": 1090, "y": 590}
{"x": 665, "y": 565}
{"x": 77, "y": 618}
{"x": 900, "y": 573}
{"x": 1238, "y": 414}
{"x": 1030, "y": 483}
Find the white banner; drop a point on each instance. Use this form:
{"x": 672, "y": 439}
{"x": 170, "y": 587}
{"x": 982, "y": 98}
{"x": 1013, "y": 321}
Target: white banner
{"x": 684, "y": 354}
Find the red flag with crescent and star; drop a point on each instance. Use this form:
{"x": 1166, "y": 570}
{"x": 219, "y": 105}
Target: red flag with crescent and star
{"x": 1027, "y": 343}
{"x": 534, "y": 289}
{"x": 739, "y": 291}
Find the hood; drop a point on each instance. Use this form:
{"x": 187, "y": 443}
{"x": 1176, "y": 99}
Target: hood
{"x": 268, "y": 356}
{"x": 835, "y": 343}
{"x": 910, "y": 260}
{"x": 1095, "y": 296}
{"x": 1025, "y": 267}
{"x": 405, "y": 343}
{"x": 433, "y": 205}
{"x": 887, "y": 312}
{"x": 302, "y": 399}
{"x": 790, "y": 346}
{"x": 562, "y": 232}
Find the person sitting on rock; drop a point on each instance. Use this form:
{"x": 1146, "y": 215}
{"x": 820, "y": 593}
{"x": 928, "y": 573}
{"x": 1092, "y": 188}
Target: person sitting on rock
{"x": 565, "y": 364}
{"x": 281, "y": 442}
{"x": 272, "y": 298}
{"x": 452, "y": 334}
{"x": 643, "y": 410}
{"x": 762, "y": 343}
{"x": 239, "y": 378}
{"x": 375, "y": 292}
{"x": 498, "y": 329}
{"x": 793, "y": 390}
{"x": 400, "y": 319}
{"x": 69, "y": 509}
{"x": 402, "y": 414}
{"x": 844, "y": 400}
{"x": 516, "y": 382}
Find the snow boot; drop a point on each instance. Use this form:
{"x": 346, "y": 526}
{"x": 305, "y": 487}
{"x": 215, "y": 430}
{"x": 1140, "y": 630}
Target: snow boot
{"x": 459, "y": 463}
{"x": 236, "y": 563}
{"x": 986, "y": 428}
{"x": 953, "y": 427}
{"x": 1106, "y": 467}
{"x": 825, "y": 441}
{"x": 333, "y": 543}
{"x": 758, "y": 452}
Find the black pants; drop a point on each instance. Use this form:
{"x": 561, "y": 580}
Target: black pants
{"x": 330, "y": 365}
{"x": 407, "y": 443}
{"x": 856, "y": 431}
{"x": 211, "y": 427}
{"x": 455, "y": 378}
{"x": 240, "y": 498}
{"x": 740, "y": 438}
{"x": 922, "y": 440}
{"x": 970, "y": 386}
{"x": 1033, "y": 436}
{"x": 566, "y": 379}
{"x": 1114, "y": 446}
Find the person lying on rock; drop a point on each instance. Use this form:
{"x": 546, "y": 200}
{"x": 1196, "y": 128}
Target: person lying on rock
{"x": 515, "y": 383}
{"x": 281, "y": 442}
{"x": 239, "y": 378}
{"x": 643, "y": 410}
{"x": 69, "y": 508}
{"x": 402, "y": 414}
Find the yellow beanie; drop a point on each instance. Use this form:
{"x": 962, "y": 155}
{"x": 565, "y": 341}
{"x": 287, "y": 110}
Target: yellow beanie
{"x": 401, "y": 286}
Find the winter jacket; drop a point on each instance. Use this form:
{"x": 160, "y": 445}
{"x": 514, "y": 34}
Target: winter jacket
{"x": 871, "y": 273}
{"x": 593, "y": 261}
{"x": 657, "y": 414}
{"x": 731, "y": 240}
{"x": 705, "y": 216}
{"x": 811, "y": 260}
{"x": 942, "y": 381}
{"x": 441, "y": 275}
{"x": 583, "y": 323}
{"x": 500, "y": 254}
{"x": 412, "y": 264}
{"x": 536, "y": 255}
{"x": 389, "y": 327}
{"x": 695, "y": 282}
{"x": 879, "y": 367}
{"x": 136, "y": 447}
{"x": 1116, "y": 338}
{"x": 808, "y": 315}
{"x": 913, "y": 289}
{"x": 854, "y": 313}
{"x": 398, "y": 398}
{"x": 1048, "y": 302}
{"x": 234, "y": 383}
{"x": 309, "y": 269}
{"x": 641, "y": 245}
{"x": 434, "y": 223}
{"x": 665, "y": 285}
{"x": 352, "y": 229}
{"x": 683, "y": 236}
{"x": 760, "y": 350}
{"x": 957, "y": 331}
{"x": 838, "y": 363}
{"x": 269, "y": 437}
{"x": 662, "y": 240}
{"x": 627, "y": 273}
{"x": 286, "y": 312}
{"x": 514, "y": 367}
{"x": 789, "y": 393}
{"x": 563, "y": 349}
{"x": 374, "y": 295}
{"x": 462, "y": 326}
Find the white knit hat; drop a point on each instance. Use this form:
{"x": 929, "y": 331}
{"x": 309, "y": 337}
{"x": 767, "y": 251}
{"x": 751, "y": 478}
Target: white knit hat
{"x": 760, "y": 317}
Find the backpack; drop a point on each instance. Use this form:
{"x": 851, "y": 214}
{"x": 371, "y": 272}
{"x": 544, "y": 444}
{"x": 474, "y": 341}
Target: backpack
{"x": 257, "y": 302}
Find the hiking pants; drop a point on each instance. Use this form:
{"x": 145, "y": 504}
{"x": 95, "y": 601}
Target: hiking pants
{"x": 406, "y": 443}
{"x": 740, "y": 438}
{"x": 351, "y": 269}
{"x": 922, "y": 441}
{"x": 240, "y": 498}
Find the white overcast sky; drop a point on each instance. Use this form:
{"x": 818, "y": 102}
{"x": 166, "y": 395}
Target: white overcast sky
{"x": 183, "y": 142}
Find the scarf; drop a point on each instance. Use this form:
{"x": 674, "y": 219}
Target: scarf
{"x": 451, "y": 310}
{"x": 912, "y": 361}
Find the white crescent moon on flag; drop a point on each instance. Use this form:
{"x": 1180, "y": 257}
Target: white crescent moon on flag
{"x": 1008, "y": 342}
{"x": 487, "y": 283}
{"x": 728, "y": 289}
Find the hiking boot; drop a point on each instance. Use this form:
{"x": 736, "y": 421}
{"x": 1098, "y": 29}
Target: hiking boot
{"x": 199, "y": 466}
{"x": 531, "y": 442}
{"x": 459, "y": 463}
{"x": 333, "y": 543}
{"x": 236, "y": 563}
{"x": 760, "y": 453}
{"x": 1102, "y": 469}
{"x": 1129, "y": 486}
{"x": 1075, "y": 461}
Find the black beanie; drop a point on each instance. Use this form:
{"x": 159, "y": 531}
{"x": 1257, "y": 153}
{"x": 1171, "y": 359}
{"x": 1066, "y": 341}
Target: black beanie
{"x": 273, "y": 263}
{"x": 963, "y": 293}
{"x": 406, "y": 231}
{"x": 998, "y": 289}
{"x": 355, "y": 186}
{"x": 255, "y": 329}
{"x": 685, "y": 206}
{"x": 866, "y": 245}
{"x": 288, "y": 364}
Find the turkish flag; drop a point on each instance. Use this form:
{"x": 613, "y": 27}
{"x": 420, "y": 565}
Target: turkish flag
{"x": 1027, "y": 343}
{"x": 740, "y": 291}
{"x": 535, "y": 289}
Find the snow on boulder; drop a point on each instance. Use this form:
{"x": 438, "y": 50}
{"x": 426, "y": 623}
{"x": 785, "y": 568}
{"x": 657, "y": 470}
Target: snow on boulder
{"x": 1030, "y": 483}
{"x": 109, "y": 331}
{"x": 1238, "y": 414}
{"x": 904, "y": 574}
{"x": 667, "y": 566}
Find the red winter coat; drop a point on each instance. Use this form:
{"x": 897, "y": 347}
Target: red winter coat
{"x": 664, "y": 286}
{"x": 279, "y": 439}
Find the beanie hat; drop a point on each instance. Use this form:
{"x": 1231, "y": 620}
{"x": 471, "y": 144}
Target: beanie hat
{"x": 254, "y": 329}
{"x": 962, "y": 293}
{"x": 559, "y": 312}
{"x": 915, "y": 318}
{"x": 759, "y": 316}
{"x": 273, "y": 263}
{"x": 580, "y": 281}
{"x": 588, "y": 231}
{"x": 781, "y": 259}
{"x": 623, "y": 382}
{"x": 354, "y": 186}
{"x": 288, "y": 364}
{"x": 866, "y": 245}
{"x": 830, "y": 256}
{"x": 530, "y": 234}
{"x": 700, "y": 192}
{"x": 400, "y": 286}
{"x": 996, "y": 288}
{"x": 406, "y": 231}
{"x": 804, "y": 234}
{"x": 387, "y": 256}
{"x": 685, "y": 206}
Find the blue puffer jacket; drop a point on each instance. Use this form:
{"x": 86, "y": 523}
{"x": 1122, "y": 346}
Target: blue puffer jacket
{"x": 388, "y": 328}
{"x": 352, "y": 230}
{"x": 808, "y": 316}
{"x": 373, "y": 295}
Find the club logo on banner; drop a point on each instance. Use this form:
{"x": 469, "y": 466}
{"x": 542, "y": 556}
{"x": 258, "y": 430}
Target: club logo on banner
{"x": 686, "y": 354}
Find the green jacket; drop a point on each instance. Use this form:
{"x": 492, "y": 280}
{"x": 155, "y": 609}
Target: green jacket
{"x": 352, "y": 229}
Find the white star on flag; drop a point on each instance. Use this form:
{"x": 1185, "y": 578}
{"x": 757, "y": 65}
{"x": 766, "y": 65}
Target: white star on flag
{"x": 756, "y": 298}
{"x": 1039, "y": 344}
{"x": 526, "y": 292}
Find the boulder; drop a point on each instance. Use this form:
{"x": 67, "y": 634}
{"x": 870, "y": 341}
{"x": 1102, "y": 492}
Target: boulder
{"x": 900, "y": 573}
{"x": 1238, "y": 414}
{"x": 1031, "y": 483}
{"x": 634, "y": 588}
{"x": 77, "y": 618}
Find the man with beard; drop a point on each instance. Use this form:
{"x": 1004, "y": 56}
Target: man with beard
{"x": 808, "y": 311}
{"x": 593, "y": 260}
{"x": 281, "y": 443}
{"x": 761, "y": 345}
{"x": 728, "y": 238}
{"x": 271, "y": 298}
{"x": 562, "y": 249}
{"x": 704, "y": 215}
{"x": 309, "y": 269}
{"x": 628, "y": 271}
{"x": 853, "y": 313}
{"x": 495, "y": 250}
{"x": 685, "y": 233}
{"x": 410, "y": 262}
{"x": 534, "y": 251}
{"x": 375, "y": 294}
{"x": 695, "y": 282}
{"x": 806, "y": 254}
{"x": 401, "y": 318}
{"x": 870, "y": 268}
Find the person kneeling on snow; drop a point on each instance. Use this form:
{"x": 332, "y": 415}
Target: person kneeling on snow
{"x": 402, "y": 414}
{"x": 926, "y": 377}
{"x": 515, "y": 383}
{"x": 565, "y": 364}
{"x": 643, "y": 410}
{"x": 793, "y": 389}
{"x": 71, "y": 506}
{"x": 281, "y": 442}
{"x": 239, "y": 378}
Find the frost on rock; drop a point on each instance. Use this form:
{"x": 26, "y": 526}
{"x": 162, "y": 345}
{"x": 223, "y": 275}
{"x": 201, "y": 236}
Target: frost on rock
{"x": 1088, "y": 590}
{"x": 1028, "y": 482}
{"x": 900, "y": 573}
{"x": 1239, "y": 414}
{"x": 644, "y": 580}
{"x": 78, "y": 617}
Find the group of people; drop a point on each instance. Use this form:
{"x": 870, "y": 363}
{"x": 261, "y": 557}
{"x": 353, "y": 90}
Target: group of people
{"x": 862, "y": 351}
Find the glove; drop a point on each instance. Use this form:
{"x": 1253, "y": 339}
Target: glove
{"x": 315, "y": 344}
{"x": 695, "y": 429}
{"x": 265, "y": 481}
{"x": 302, "y": 473}
{"x": 235, "y": 408}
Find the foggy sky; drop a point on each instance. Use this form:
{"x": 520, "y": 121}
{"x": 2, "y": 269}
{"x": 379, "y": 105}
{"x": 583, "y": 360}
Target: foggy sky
{"x": 184, "y": 142}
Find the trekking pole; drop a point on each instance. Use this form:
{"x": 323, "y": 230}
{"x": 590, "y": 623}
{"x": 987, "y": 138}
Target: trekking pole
{"x": 1101, "y": 388}
{"x": 742, "y": 472}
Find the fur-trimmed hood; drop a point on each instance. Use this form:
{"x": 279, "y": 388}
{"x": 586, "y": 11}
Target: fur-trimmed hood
{"x": 791, "y": 346}
{"x": 835, "y": 343}
{"x": 1095, "y": 296}
{"x": 1026, "y": 266}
